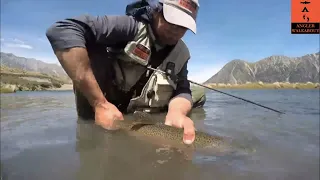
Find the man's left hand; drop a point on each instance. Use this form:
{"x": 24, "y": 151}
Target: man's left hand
{"x": 179, "y": 120}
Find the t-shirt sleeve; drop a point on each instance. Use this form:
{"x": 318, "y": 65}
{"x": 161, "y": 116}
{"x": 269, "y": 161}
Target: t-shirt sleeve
{"x": 84, "y": 29}
{"x": 183, "y": 85}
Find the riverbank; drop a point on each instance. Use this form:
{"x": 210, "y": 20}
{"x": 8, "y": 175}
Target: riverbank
{"x": 64, "y": 87}
{"x": 13, "y": 80}
{"x": 261, "y": 85}
{"x": 12, "y": 88}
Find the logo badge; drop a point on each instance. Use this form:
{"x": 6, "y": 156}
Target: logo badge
{"x": 141, "y": 51}
{"x": 189, "y": 5}
{"x": 305, "y": 17}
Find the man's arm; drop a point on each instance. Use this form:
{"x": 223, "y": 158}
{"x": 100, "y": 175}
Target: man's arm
{"x": 70, "y": 37}
{"x": 76, "y": 63}
{"x": 182, "y": 99}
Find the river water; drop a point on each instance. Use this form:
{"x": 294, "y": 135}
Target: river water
{"x": 42, "y": 138}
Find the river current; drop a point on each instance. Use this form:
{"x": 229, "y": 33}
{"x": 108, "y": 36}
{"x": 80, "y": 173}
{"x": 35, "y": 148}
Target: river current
{"x": 42, "y": 138}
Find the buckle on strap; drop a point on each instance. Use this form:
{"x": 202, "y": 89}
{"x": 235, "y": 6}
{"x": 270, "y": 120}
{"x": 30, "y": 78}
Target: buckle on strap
{"x": 170, "y": 71}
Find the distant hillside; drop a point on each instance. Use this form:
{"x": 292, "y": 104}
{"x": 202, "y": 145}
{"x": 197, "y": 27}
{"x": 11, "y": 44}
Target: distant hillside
{"x": 269, "y": 70}
{"x": 33, "y": 65}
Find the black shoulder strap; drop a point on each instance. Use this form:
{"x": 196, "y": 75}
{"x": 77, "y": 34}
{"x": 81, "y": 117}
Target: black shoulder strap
{"x": 140, "y": 10}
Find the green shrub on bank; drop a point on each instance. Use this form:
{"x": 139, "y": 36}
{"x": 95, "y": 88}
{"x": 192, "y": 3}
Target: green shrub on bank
{"x": 6, "y": 90}
{"x": 56, "y": 84}
{"x": 40, "y": 76}
{"x": 26, "y": 85}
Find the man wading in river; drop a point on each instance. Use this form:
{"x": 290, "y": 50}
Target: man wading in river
{"x": 106, "y": 57}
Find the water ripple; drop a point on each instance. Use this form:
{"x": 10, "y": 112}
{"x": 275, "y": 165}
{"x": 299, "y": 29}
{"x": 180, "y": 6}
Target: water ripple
{"x": 287, "y": 145}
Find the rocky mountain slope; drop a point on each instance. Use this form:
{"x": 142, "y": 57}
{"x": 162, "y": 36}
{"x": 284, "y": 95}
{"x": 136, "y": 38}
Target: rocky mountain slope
{"x": 269, "y": 70}
{"x": 29, "y": 64}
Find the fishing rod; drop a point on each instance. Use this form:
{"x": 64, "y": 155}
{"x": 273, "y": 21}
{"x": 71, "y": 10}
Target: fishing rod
{"x": 169, "y": 73}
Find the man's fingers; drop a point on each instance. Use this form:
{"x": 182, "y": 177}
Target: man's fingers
{"x": 187, "y": 125}
{"x": 107, "y": 115}
{"x": 104, "y": 125}
{"x": 189, "y": 132}
{"x": 111, "y": 125}
{"x": 119, "y": 117}
{"x": 168, "y": 123}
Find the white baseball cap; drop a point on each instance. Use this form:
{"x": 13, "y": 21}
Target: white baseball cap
{"x": 181, "y": 12}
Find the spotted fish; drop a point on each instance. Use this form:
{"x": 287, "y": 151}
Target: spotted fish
{"x": 143, "y": 126}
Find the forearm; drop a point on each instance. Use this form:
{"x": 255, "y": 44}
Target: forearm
{"x": 180, "y": 104}
{"x": 69, "y": 39}
{"x": 75, "y": 62}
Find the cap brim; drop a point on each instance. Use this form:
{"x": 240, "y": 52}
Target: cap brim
{"x": 178, "y": 17}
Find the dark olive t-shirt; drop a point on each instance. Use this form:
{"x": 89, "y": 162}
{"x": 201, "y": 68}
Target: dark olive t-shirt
{"x": 98, "y": 32}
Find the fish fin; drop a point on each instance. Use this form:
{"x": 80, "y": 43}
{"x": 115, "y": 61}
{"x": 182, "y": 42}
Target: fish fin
{"x": 141, "y": 119}
{"x": 142, "y": 116}
{"x": 137, "y": 126}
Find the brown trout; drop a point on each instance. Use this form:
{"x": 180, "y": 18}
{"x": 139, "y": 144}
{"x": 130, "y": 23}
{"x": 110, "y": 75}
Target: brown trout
{"x": 142, "y": 126}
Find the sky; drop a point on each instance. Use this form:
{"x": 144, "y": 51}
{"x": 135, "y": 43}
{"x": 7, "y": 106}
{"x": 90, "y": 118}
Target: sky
{"x": 226, "y": 30}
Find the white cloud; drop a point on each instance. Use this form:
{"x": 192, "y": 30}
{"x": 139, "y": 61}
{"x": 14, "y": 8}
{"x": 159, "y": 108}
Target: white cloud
{"x": 18, "y": 41}
{"x": 12, "y": 45}
{"x": 15, "y": 43}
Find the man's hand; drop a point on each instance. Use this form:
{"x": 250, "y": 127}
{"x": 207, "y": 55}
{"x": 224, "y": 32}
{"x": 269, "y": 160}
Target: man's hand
{"x": 179, "y": 120}
{"x": 177, "y": 117}
{"x": 105, "y": 115}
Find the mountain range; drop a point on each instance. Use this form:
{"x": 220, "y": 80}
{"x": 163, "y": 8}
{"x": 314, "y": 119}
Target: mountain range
{"x": 277, "y": 68}
{"x": 33, "y": 65}
{"x": 30, "y": 64}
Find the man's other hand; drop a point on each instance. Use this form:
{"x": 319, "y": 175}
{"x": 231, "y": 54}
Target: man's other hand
{"x": 179, "y": 120}
{"x": 105, "y": 115}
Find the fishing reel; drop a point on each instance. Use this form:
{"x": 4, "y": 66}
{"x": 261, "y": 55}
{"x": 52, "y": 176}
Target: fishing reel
{"x": 170, "y": 72}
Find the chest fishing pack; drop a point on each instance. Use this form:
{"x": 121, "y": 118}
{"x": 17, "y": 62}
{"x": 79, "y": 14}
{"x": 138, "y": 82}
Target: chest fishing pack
{"x": 139, "y": 49}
